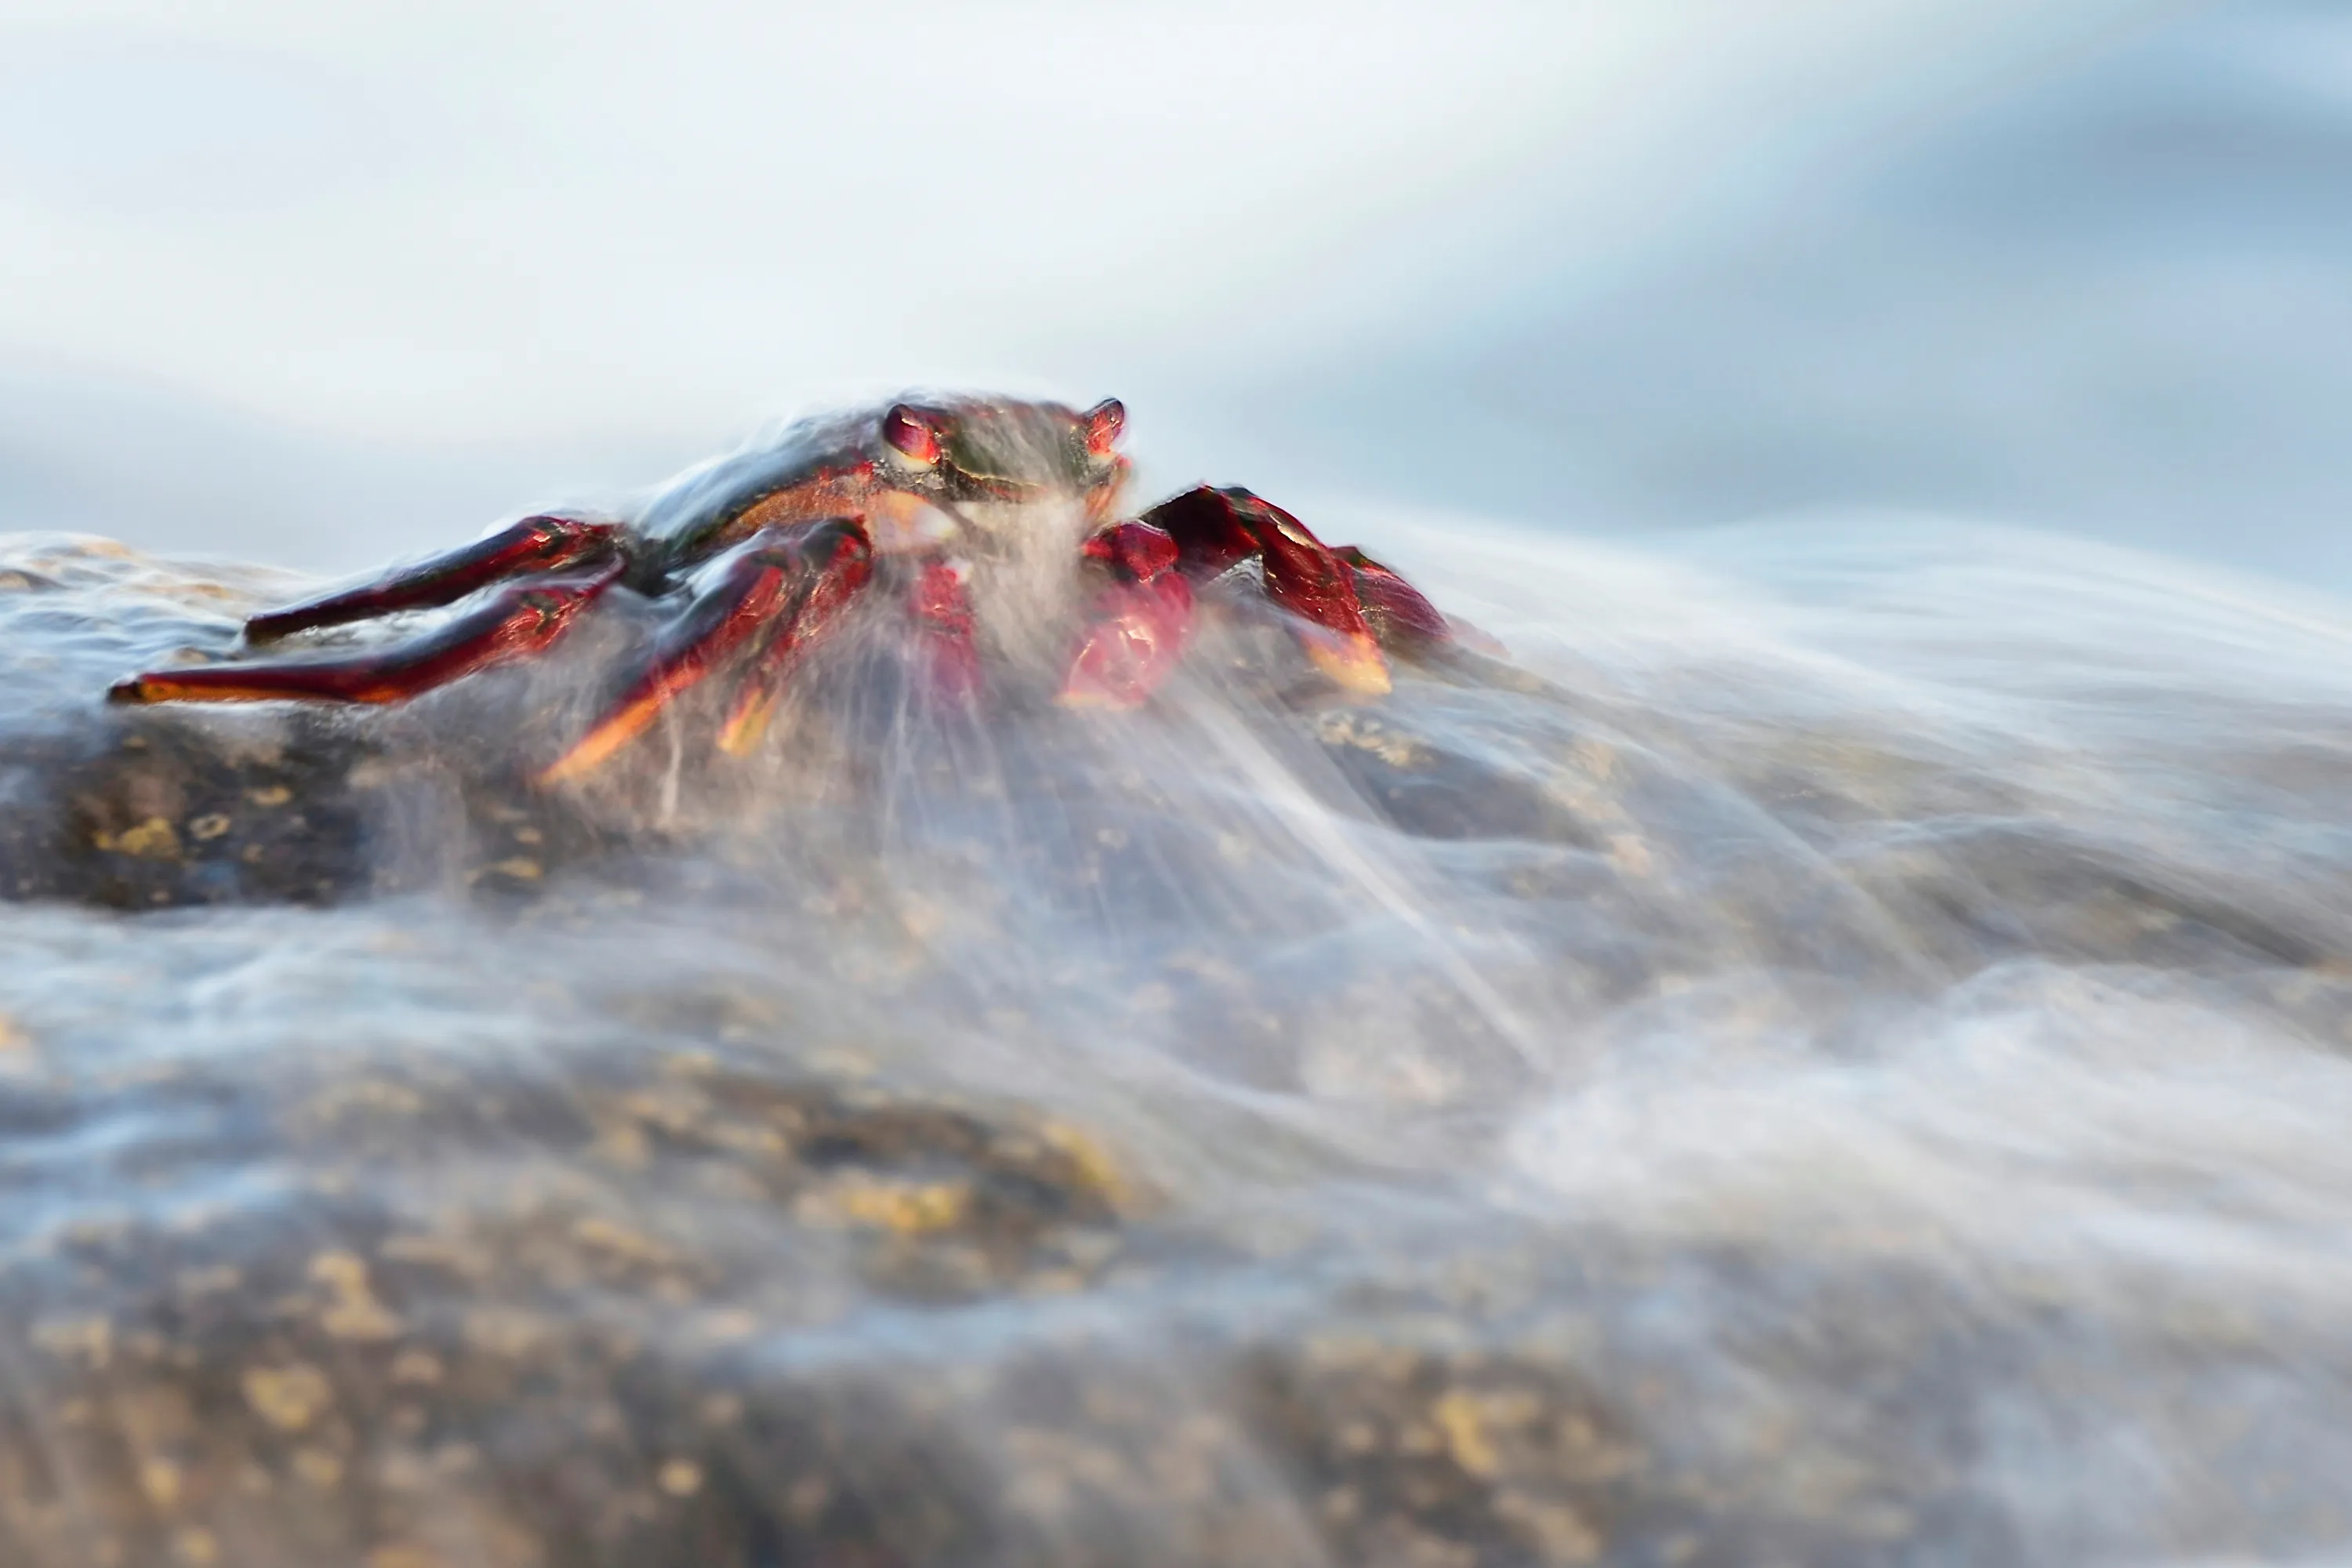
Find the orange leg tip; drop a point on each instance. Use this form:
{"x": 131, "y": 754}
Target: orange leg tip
{"x": 596, "y": 747}
{"x": 740, "y": 735}
{"x": 1097, "y": 698}
{"x": 1353, "y": 662}
{"x": 142, "y": 690}
{"x": 572, "y": 766}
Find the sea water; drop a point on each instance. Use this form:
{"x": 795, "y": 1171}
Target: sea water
{"x": 1833, "y": 1046}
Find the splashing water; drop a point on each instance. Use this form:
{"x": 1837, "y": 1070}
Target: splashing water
{"x": 1836, "y": 1052}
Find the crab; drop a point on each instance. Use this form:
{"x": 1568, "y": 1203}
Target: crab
{"x": 759, "y": 557}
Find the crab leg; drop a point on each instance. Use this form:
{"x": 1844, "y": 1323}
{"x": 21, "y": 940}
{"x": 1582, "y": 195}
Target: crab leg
{"x": 762, "y": 588}
{"x": 1142, "y": 622}
{"x": 945, "y": 627}
{"x": 840, "y": 560}
{"x": 1215, "y": 528}
{"x": 536, "y": 545}
{"x": 521, "y": 619}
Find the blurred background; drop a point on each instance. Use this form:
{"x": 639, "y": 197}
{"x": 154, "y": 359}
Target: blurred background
{"x": 319, "y": 285}
{"x": 1841, "y": 1054}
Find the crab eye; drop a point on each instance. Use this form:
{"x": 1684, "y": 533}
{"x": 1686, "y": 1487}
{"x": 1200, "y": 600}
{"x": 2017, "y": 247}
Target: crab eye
{"x": 1105, "y": 420}
{"x": 911, "y": 434}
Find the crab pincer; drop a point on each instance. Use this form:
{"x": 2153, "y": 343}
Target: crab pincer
{"x": 1398, "y": 612}
{"x": 1215, "y": 530}
{"x": 1140, "y": 623}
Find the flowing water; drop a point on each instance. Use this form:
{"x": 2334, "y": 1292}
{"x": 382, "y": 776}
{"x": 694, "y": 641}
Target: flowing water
{"x": 1836, "y": 1049}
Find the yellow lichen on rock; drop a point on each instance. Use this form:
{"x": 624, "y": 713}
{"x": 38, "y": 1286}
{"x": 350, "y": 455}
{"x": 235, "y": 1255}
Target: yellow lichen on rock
{"x": 1095, "y": 1165}
{"x": 316, "y": 1466}
{"x": 909, "y": 1209}
{"x": 87, "y": 1339}
{"x": 354, "y": 1313}
{"x": 159, "y": 1479}
{"x": 153, "y": 839}
{"x": 1458, "y": 1417}
{"x": 288, "y": 1397}
{"x": 401, "y": 1554}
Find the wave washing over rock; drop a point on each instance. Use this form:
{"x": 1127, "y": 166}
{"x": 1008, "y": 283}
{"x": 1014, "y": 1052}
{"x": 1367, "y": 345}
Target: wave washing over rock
{"x": 1838, "y": 1051}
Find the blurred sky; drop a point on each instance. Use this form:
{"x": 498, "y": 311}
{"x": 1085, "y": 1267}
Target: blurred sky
{"x": 324, "y": 284}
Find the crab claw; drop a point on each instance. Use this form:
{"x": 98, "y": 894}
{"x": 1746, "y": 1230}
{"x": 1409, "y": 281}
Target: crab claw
{"x": 1304, "y": 577}
{"x": 1136, "y": 634}
{"x": 1353, "y": 660}
{"x": 1132, "y": 552}
{"x": 1213, "y": 529}
{"x": 1141, "y": 621}
{"x": 1394, "y": 609}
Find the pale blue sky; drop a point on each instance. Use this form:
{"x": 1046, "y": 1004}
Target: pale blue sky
{"x": 324, "y": 284}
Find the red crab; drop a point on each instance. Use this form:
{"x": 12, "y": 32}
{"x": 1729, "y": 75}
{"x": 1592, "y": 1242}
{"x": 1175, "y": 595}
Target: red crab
{"x": 762, "y": 554}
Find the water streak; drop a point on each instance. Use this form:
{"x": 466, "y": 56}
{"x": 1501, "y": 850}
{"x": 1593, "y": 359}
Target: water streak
{"x": 1838, "y": 1046}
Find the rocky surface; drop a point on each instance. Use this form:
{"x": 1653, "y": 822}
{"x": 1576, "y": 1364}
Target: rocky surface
{"x": 708, "y": 1316}
{"x": 1611, "y": 1108}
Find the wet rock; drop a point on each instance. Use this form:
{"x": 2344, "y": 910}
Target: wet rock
{"x": 1668, "y": 1123}
{"x": 389, "y": 1348}
{"x": 162, "y": 808}
{"x": 713, "y": 1317}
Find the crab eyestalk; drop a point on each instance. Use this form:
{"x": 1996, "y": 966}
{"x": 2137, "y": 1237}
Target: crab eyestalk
{"x": 1105, "y": 422}
{"x": 912, "y": 434}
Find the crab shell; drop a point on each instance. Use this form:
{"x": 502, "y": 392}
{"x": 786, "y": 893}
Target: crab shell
{"x": 922, "y": 474}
